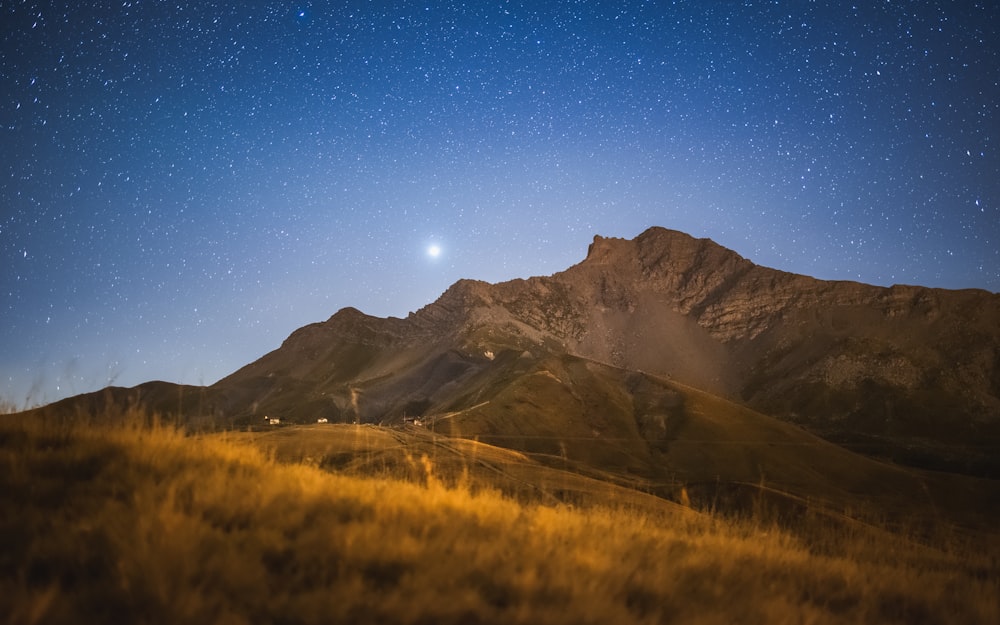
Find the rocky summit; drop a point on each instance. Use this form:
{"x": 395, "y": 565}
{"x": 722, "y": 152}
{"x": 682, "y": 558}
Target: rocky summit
{"x": 602, "y": 349}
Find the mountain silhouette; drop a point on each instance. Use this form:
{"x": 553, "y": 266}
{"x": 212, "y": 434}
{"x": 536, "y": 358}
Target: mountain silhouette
{"x": 618, "y": 347}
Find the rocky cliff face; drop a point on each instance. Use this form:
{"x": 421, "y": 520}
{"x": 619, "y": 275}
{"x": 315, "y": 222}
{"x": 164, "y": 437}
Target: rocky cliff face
{"x": 859, "y": 363}
{"x": 904, "y": 371}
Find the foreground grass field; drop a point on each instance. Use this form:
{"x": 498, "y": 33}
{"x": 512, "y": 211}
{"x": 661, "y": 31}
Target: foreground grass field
{"x": 141, "y": 523}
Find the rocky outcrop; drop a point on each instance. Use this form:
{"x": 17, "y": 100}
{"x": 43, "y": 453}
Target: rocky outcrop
{"x": 880, "y": 367}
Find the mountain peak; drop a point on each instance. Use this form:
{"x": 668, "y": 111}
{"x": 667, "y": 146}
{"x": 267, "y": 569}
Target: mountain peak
{"x": 663, "y": 249}
{"x": 603, "y": 248}
{"x": 347, "y": 313}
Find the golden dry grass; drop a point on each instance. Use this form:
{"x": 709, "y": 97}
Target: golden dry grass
{"x": 141, "y": 523}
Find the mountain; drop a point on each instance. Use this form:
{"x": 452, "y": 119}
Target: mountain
{"x": 614, "y": 348}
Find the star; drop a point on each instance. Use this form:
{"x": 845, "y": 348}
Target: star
{"x": 272, "y": 162}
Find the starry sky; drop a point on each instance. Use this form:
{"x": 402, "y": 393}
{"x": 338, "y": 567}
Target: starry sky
{"x": 183, "y": 184}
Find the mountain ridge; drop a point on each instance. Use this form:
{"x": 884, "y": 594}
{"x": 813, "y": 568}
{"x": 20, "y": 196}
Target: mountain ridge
{"x": 856, "y": 363}
{"x": 905, "y": 372}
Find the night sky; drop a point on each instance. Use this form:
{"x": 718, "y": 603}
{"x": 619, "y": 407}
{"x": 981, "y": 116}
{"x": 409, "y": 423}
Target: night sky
{"x": 184, "y": 184}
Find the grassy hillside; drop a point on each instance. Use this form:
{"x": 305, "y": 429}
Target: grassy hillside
{"x": 657, "y": 434}
{"x": 141, "y": 523}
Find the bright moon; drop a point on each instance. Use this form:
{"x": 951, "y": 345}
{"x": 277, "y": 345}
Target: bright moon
{"x": 434, "y": 251}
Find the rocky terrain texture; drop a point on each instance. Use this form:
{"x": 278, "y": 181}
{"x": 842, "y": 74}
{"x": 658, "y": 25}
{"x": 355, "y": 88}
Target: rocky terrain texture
{"x": 904, "y": 372}
{"x": 906, "y": 367}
